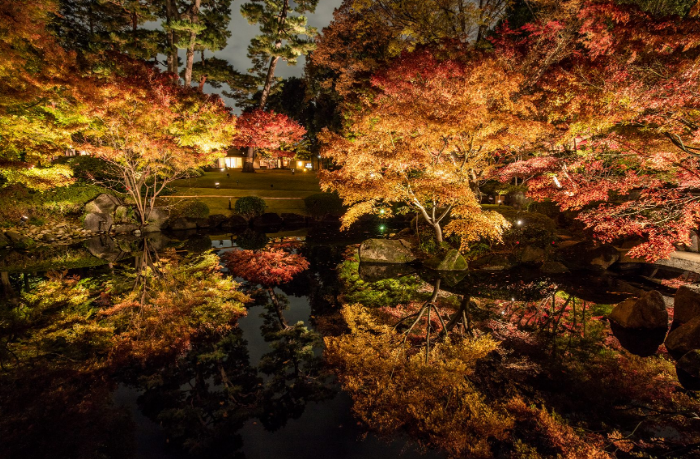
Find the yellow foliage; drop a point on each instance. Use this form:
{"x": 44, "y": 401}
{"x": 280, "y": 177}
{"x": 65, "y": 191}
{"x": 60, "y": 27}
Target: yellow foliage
{"x": 393, "y": 387}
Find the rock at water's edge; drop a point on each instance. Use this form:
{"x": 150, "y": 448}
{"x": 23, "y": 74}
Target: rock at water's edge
{"x": 648, "y": 311}
{"x": 452, "y": 261}
{"x": 686, "y": 305}
{"x": 685, "y": 338}
{"x": 386, "y": 251}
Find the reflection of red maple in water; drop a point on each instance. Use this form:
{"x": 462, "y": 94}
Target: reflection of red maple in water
{"x": 267, "y": 268}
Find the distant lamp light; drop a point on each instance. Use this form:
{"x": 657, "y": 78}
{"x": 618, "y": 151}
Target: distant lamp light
{"x": 216, "y": 185}
{"x": 381, "y": 211}
{"x": 382, "y": 228}
{"x": 319, "y": 156}
{"x": 519, "y": 222}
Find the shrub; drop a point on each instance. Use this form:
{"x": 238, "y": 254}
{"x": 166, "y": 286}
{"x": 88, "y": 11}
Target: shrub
{"x": 250, "y": 206}
{"x": 320, "y": 204}
{"x": 191, "y": 209}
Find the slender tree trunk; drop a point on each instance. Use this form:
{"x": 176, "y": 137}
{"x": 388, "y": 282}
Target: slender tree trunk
{"x": 171, "y": 15}
{"x": 194, "y": 18}
{"x": 438, "y": 232}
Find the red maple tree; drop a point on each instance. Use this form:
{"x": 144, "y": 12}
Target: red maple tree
{"x": 274, "y": 133}
{"x": 620, "y": 85}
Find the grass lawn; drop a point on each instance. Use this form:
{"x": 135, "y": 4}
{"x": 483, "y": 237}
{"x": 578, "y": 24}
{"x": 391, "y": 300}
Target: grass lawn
{"x": 261, "y": 180}
{"x": 287, "y": 188}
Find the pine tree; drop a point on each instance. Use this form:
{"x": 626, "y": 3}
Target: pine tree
{"x": 284, "y": 35}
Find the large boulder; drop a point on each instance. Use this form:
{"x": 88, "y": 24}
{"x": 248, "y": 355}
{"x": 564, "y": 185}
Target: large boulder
{"x": 452, "y": 261}
{"x": 386, "y": 251}
{"x": 103, "y": 204}
{"x": 157, "y": 220}
{"x": 648, "y": 311}
{"x": 182, "y": 223}
{"x": 235, "y": 223}
{"x": 98, "y": 222}
{"x": 685, "y": 338}
{"x": 686, "y": 305}
{"x": 267, "y": 221}
{"x": 122, "y": 215}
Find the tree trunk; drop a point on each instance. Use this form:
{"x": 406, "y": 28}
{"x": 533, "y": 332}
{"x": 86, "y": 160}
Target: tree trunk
{"x": 438, "y": 232}
{"x": 194, "y": 18}
{"x": 170, "y": 15}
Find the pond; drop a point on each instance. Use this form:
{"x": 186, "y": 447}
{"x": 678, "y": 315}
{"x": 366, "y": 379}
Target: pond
{"x": 342, "y": 361}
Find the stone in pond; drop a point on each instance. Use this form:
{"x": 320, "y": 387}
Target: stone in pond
{"x": 648, "y": 311}
{"x": 452, "y": 261}
{"x": 686, "y": 305}
{"x": 386, "y": 251}
{"x": 157, "y": 220}
{"x": 685, "y": 338}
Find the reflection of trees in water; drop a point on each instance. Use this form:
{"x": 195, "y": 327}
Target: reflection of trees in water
{"x": 67, "y": 341}
{"x": 513, "y": 370}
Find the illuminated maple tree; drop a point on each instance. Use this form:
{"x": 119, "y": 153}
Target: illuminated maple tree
{"x": 429, "y": 140}
{"x": 274, "y": 133}
{"x": 152, "y": 132}
{"x": 37, "y": 115}
{"x": 620, "y": 84}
